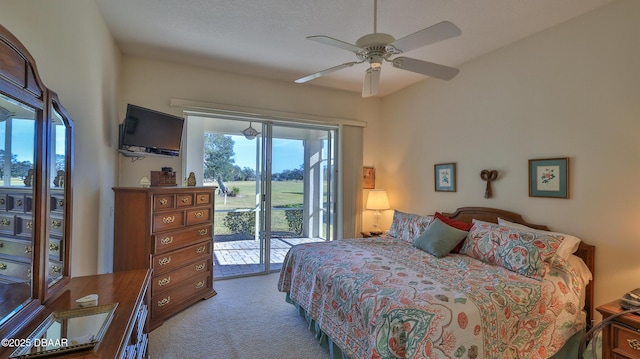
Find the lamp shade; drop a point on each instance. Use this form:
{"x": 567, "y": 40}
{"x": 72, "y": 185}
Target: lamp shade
{"x": 377, "y": 199}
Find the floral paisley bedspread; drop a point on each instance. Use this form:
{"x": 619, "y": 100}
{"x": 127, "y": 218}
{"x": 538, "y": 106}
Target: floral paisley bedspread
{"x": 383, "y": 298}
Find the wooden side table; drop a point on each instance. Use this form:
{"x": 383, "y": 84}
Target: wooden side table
{"x": 621, "y": 338}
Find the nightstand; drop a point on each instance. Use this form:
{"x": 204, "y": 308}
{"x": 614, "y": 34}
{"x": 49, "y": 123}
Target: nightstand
{"x": 370, "y": 234}
{"x": 621, "y": 338}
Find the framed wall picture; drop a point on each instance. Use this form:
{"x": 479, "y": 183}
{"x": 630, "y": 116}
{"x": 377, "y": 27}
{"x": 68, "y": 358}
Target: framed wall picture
{"x": 368, "y": 178}
{"x": 549, "y": 177}
{"x": 445, "y": 177}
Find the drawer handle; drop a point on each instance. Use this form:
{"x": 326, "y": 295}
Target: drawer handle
{"x": 199, "y": 214}
{"x": 56, "y": 269}
{"x": 5, "y": 222}
{"x": 199, "y": 284}
{"x": 28, "y": 250}
{"x": 29, "y": 225}
{"x": 1, "y": 244}
{"x": 203, "y": 198}
{"x": 164, "y": 201}
{"x": 28, "y": 273}
{"x": 203, "y": 231}
{"x": 185, "y": 199}
{"x": 167, "y": 240}
{"x": 167, "y": 220}
{"x": 56, "y": 223}
{"x": 3, "y": 266}
{"x": 1, "y": 200}
{"x": 201, "y": 249}
{"x": 53, "y": 247}
{"x": 165, "y": 260}
{"x": 164, "y": 281}
{"x": 18, "y": 202}
{"x": 200, "y": 267}
{"x": 164, "y": 301}
{"x": 634, "y": 344}
{"x": 60, "y": 203}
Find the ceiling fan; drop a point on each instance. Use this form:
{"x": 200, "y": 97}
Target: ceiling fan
{"x": 377, "y": 47}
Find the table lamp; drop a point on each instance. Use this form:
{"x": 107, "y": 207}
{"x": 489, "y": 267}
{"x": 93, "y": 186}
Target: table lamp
{"x": 377, "y": 200}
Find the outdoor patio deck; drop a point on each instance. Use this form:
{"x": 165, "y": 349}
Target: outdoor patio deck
{"x": 240, "y": 257}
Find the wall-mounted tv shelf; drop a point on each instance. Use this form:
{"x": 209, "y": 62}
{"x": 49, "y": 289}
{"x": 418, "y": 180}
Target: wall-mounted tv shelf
{"x": 138, "y": 155}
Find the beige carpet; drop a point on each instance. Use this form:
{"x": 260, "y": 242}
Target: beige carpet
{"x": 248, "y": 319}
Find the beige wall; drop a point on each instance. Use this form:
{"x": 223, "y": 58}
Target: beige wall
{"x": 76, "y": 57}
{"x": 572, "y": 91}
{"x": 569, "y": 91}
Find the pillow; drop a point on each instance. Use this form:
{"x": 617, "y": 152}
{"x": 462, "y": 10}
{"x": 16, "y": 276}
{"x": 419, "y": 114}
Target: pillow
{"x": 439, "y": 238}
{"x": 455, "y": 224}
{"x": 581, "y": 268}
{"x": 407, "y": 226}
{"x": 524, "y": 252}
{"x": 568, "y": 246}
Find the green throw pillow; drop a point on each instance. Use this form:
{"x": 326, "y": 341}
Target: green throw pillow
{"x": 439, "y": 238}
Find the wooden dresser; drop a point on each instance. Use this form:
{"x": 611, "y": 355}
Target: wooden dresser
{"x": 127, "y": 334}
{"x": 621, "y": 339}
{"x": 168, "y": 229}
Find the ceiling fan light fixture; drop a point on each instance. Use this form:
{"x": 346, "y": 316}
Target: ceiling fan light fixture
{"x": 250, "y": 133}
{"x": 377, "y": 47}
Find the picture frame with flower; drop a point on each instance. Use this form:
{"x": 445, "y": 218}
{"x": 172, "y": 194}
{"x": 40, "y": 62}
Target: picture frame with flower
{"x": 549, "y": 177}
{"x": 445, "y": 177}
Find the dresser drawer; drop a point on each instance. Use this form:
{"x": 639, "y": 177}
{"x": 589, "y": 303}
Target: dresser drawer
{"x": 169, "y": 241}
{"x": 164, "y": 201}
{"x": 24, "y": 226}
{"x": 168, "y": 220}
{"x": 7, "y": 224}
{"x": 57, "y": 202}
{"x": 199, "y": 215}
{"x": 15, "y": 271}
{"x": 166, "y": 302}
{"x": 185, "y": 200}
{"x": 19, "y": 203}
{"x": 15, "y": 247}
{"x": 203, "y": 198}
{"x": 55, "y": 249}
{"x": 56, "y": 226}
{"x": 169, "y": 261}
{"x": 170, "y": 280}
{"x": 625, "y": 342}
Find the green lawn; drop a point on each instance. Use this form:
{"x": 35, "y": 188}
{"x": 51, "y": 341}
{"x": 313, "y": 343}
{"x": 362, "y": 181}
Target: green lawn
{"x": 289, "y": 193}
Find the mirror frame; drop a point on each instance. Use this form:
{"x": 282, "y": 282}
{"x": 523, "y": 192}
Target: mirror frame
{"x": 49, "y": 291}
{"x": 20, "y": 81}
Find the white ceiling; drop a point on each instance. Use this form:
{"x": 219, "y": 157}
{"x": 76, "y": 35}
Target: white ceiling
{"x": 267, "y": 38}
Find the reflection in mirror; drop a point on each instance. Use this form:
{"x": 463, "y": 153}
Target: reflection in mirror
{"x": 57, "y": 171}
{"x": 17, "y": 156}
{"x": 69, "y": 330}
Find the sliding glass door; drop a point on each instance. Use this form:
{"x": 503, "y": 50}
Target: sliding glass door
{"x": 276, "y": 188}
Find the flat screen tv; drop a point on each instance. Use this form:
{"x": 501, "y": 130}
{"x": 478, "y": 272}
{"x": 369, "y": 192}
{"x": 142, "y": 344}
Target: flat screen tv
{"x": 151, "y": 130}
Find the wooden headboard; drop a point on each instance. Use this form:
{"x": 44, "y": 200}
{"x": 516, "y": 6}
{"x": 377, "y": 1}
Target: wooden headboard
{"x": 586, "y": 252}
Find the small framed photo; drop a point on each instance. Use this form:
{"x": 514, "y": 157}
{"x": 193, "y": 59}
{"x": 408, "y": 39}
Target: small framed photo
{"x": 549, "y": 177}
{"x": 368, "y": 178}
{"x": 445, "y": 177}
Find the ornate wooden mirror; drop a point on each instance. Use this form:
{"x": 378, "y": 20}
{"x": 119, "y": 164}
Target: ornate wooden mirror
{"x": 36, "y": 149}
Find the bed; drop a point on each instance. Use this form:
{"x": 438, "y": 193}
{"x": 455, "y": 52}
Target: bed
{"x": 389, "y": 297}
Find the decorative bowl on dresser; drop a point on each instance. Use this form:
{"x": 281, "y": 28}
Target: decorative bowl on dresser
{"x": 170, "y": 230}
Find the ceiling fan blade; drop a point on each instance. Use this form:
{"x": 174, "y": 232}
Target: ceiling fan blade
{"x": 430, "y": 35}
{"x": 426, "y": 68}
{"x": 334, "y": 42}
{"x": 326, "y": 71}
{"x": 371, "y": 80}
